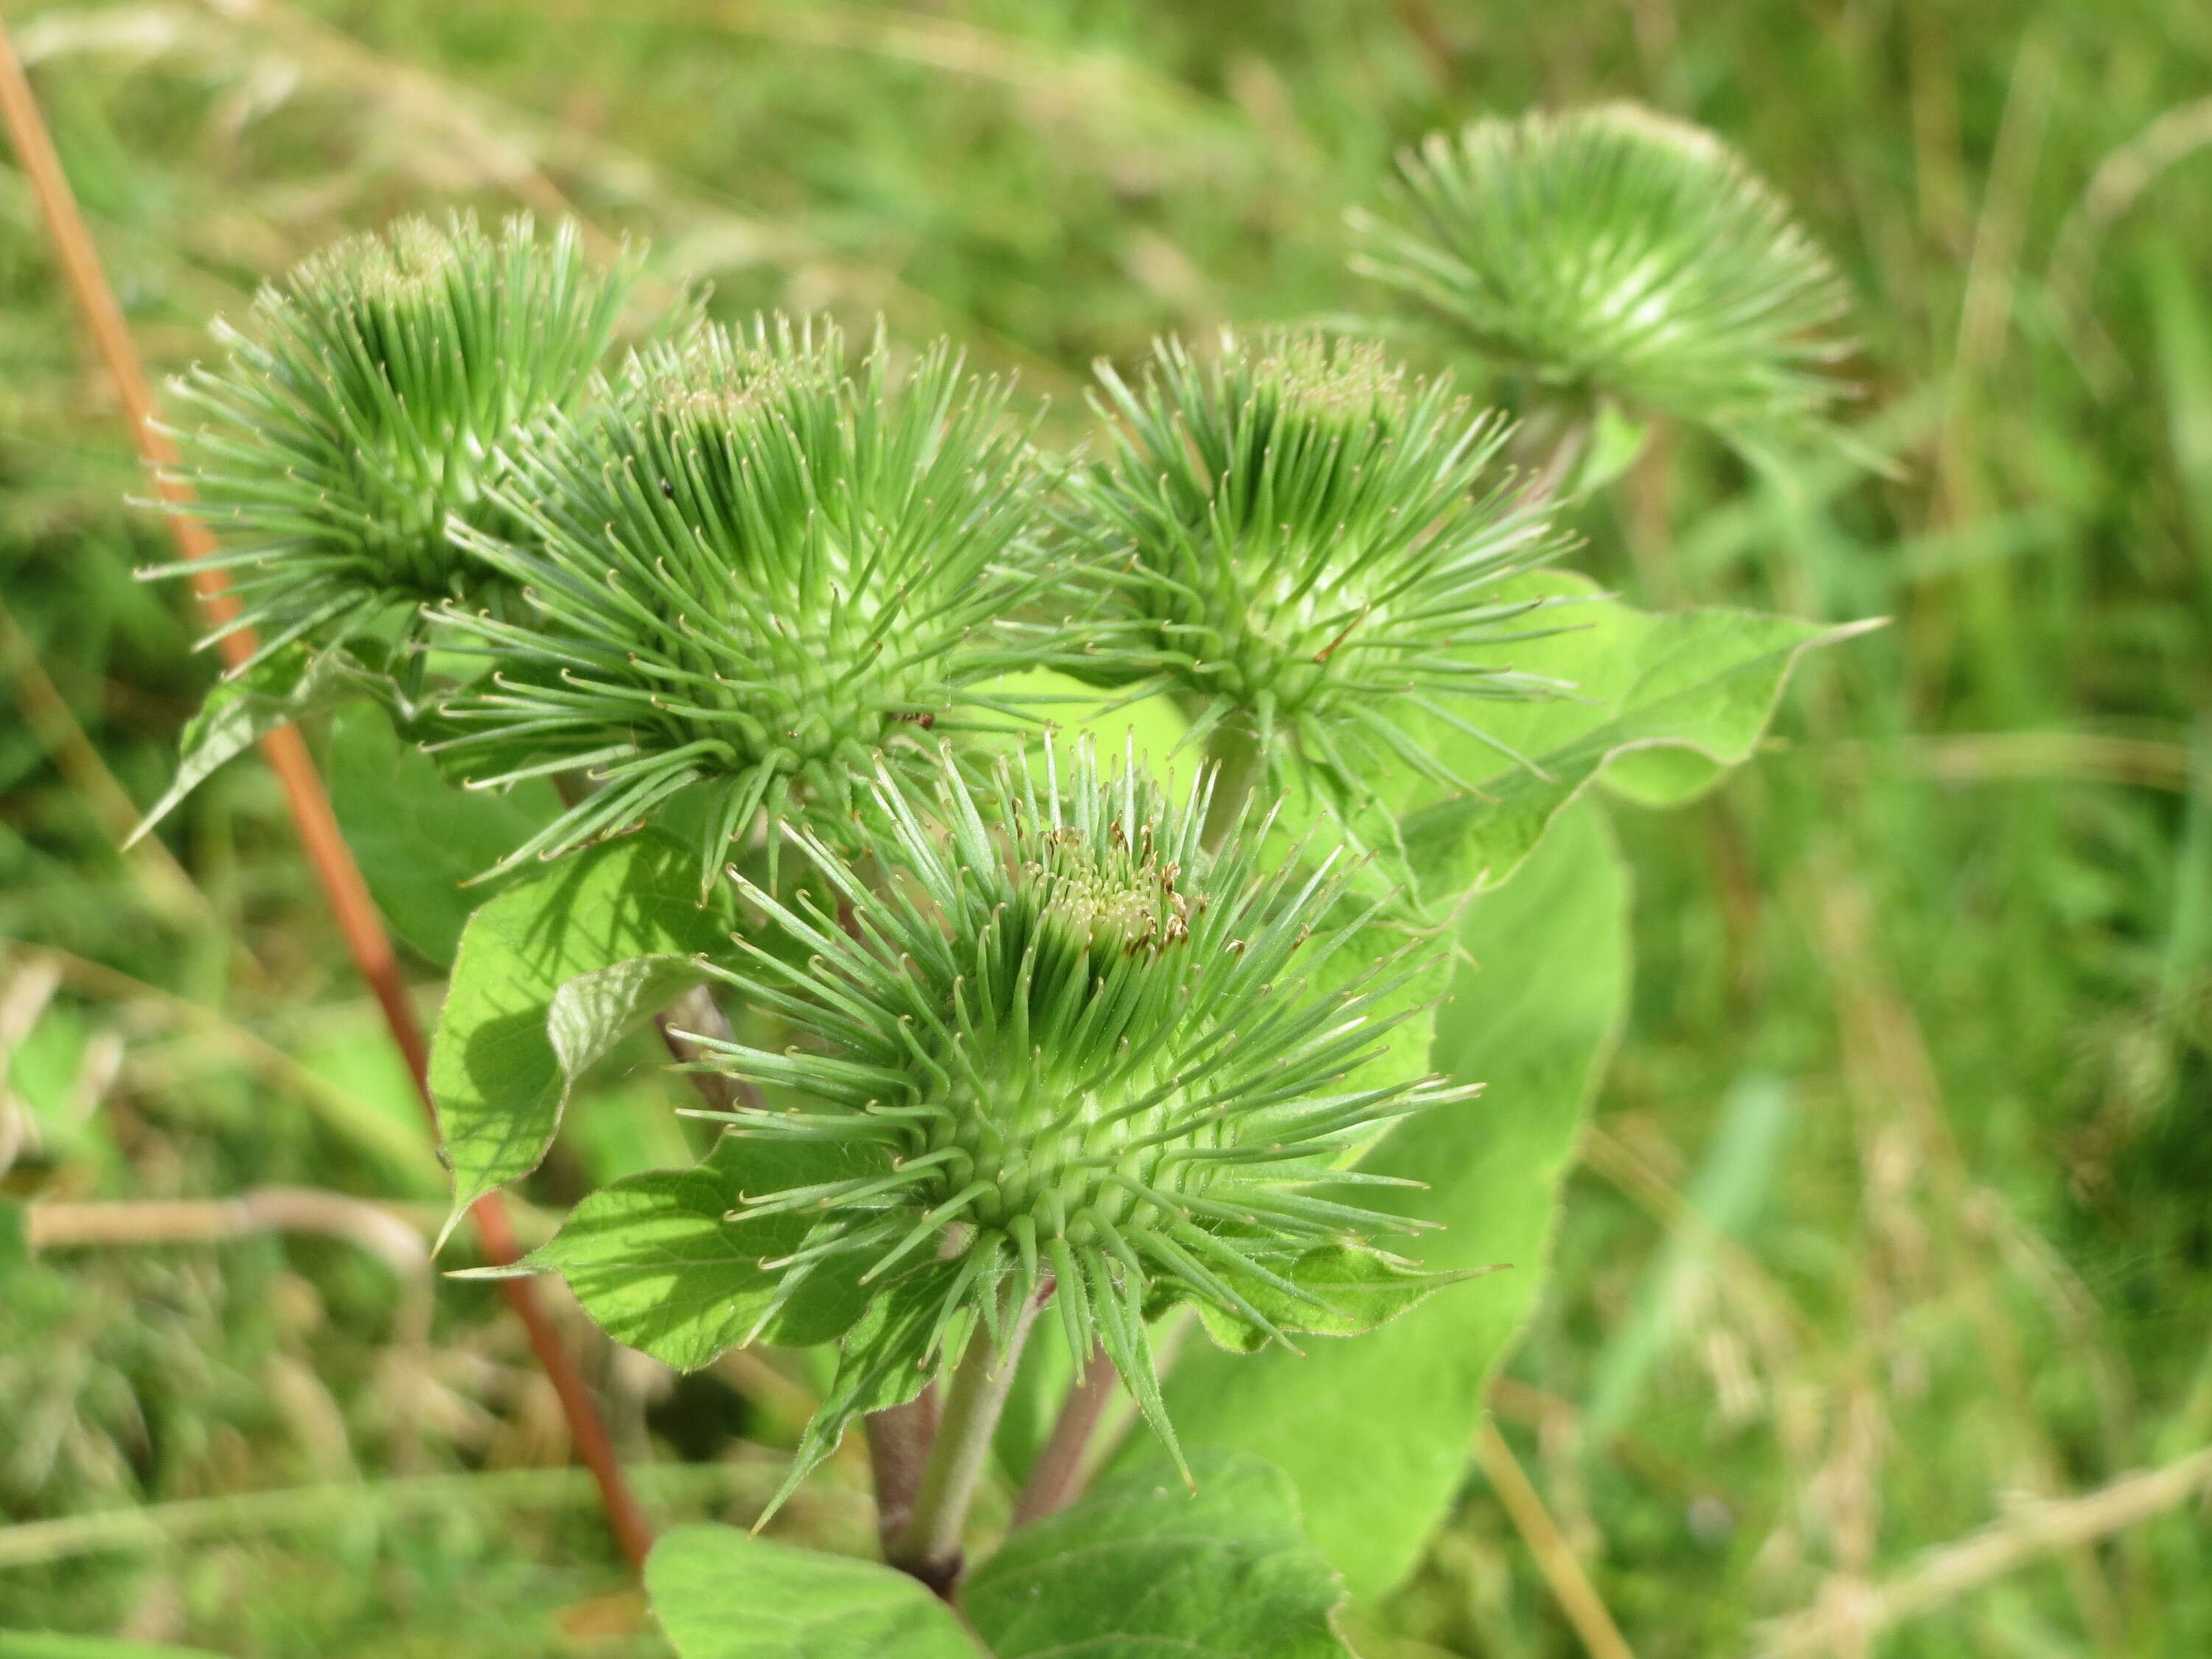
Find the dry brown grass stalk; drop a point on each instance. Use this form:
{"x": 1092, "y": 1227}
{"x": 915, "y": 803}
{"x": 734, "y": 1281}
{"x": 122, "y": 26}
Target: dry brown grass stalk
{"x": 1563, "y": 1573}
{"x": 2040, "y": 1528}
{"x": 366, "y": 941}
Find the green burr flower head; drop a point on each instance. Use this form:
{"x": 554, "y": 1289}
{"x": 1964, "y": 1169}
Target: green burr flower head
{"x": 755, "y": 575}
{"x": 1613, "y": 250}
{"x": 368, "y": 403}
{"x": 1085, "y": 1057}
{"x": 1299, "y": 541}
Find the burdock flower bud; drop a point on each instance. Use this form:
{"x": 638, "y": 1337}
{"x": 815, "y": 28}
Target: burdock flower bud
{"x": 1305, "y": 548}
{"x": 367, "y": 405}
{"x": 1081, "y": 1057}
{"x": 1613, "y": 250}
{"x": 755, "y": 576}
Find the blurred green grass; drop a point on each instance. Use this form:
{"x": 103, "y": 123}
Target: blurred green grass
{"x": 1898, "y": 1210}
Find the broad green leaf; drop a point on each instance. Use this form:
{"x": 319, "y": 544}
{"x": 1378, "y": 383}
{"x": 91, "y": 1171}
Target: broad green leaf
{"x": 494, "y": 1073}
{"x": 1143, "y": 1569}
{"x": 285, "y": 686}
{"x": 594, "y": 1011}
{"x": 655, "y": 1260}
{"x": 417, "y": 835}
{"x": 1375, "y": 1432}
{"x": 1358, "y": 1289}
{"x": 883, "y": 1361}
{"x": 1698, "y": 686}
{"x": 1661, "y": 777}
{"x": 624, "y": 1126}
{"x": 719, "y": 1594}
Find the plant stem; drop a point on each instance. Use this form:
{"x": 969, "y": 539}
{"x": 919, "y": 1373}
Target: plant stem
{"x": 1561, "y": 464}
{"x": 1578, "y": 1599}
{"x": 286, "y": 751}
{"x": 1556, "y": 435}
{"x": 898, "y": 1450}
{"x": 58, "y": 1226}
{"x": 1057, "y": 1478}
{"x": 696, "y": 1012}
{"x": 928, "y": 1545}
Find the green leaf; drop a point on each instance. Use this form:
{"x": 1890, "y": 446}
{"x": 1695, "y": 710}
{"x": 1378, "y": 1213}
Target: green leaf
{"x": 1664, "y": 703}
{"x": 1142, "y": 1569}
{"x": 654, "y": 1259}
{"x": 494, "y": 1072}
{"x": 286, "y": 685}
{"x": 721, "y": 1595}
{"x": 1374, "y": 1433}
{"x": 417, "y": 835}
{"x": 884, "y": 1361}
{"x": 1359, "y": 1288}
{"x": 594, "y": 1011}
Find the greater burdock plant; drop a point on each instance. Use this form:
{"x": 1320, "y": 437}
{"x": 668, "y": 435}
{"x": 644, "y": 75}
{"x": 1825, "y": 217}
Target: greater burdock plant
{"x": 1015, "y": 1067}
{"x": 1079, "y": 1057}
{"x": 1310, "y": 552}
{"x": 753, "y": 575}
{"x": 369, "y": 405}
{"x": 1051, "y": 1050}
{"x": 1614, "y": 251}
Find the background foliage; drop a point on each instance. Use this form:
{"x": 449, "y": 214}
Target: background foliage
{"x": 1892, "y": 1211}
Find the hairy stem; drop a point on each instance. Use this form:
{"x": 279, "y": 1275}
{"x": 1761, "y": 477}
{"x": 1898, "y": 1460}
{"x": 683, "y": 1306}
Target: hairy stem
{"x": 697, "y": 1014}
{"x": 1057, "y": 1478}
{"x": 929, "y": 1545}
{"x": 1552, "y": 439}
{"x": 898, "y": 1450}
{"x": 1560, "y": 466}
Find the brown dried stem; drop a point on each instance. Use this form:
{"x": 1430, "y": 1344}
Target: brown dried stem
{"x": 366, "y": 940}
{"x": 2040, "y": 1530}
{"x": 1577, "y": 1597}
{"x": 68, "y": 1226}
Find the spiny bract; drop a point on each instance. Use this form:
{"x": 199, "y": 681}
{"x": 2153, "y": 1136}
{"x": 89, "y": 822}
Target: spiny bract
{"x": 1614, "y": 250}
{"x": 1086, "y": 1052}
{"x": 754, "y": 573}
{"x": 1298, "y": 541}
{"x": 370, "y": 401}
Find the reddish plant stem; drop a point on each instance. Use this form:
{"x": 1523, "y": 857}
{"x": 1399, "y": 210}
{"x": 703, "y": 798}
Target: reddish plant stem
{"x": 351, "y": 904}
{"x": 695, "y": 1014}
{"x": 901, "y": 1439}
{"x": 1056, "y": 1478}
{"x": 898, "y": 1448}
{"x": 928, "y": 1546}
